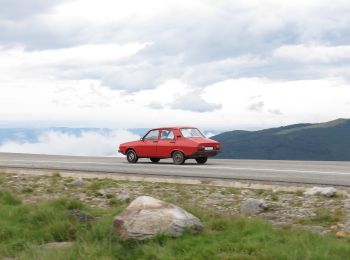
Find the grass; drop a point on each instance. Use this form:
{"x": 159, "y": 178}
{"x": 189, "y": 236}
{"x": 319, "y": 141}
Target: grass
{"x": 274, "y": 197}
{"x": 24, "y": 227}
{"x": 323, "y": 217}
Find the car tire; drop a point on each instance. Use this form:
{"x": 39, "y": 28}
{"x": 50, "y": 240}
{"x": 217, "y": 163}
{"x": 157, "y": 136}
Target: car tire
{"x": 155, "y": 160}
{"x": 131, "y": 156}
{"x": 202, "y": 160}
{"x": 178, "y": 158}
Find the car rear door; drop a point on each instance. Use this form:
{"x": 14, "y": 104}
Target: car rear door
{"x": 166, "y": 143}
{"x": 148, "y": 145}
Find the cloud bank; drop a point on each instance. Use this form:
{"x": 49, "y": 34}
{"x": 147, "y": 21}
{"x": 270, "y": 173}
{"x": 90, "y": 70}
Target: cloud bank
{"x": 85, "y": 144}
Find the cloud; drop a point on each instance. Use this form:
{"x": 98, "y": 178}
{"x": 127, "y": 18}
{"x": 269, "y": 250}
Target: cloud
{"x": 210, "y": 134}
{"x": 155, "y": 105}
{"x": 275, "y": 111}
{"x": 201, "y": 42}
{"x": 87, "y": 143}
{"x": 91, "y": 61}
{"x": 194, "y": 102}
{"x": 256, "y": 107}
{"x": 313, "y": 53}
{"x": 19, "y": 10}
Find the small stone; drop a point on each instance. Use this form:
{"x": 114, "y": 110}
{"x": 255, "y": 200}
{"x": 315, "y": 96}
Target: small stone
{"x": 252, "y": 206}
{"x": 123, "y": 196}
{"x": 54, "y": 245}
{"x": 82, "y": 216}
{"x": 78, "y": 182}
{"x": 325, "y": 191}
{"x": 341, "y": 234}
{"x": 334, "y": 227}
{"x": 102, "y": 193}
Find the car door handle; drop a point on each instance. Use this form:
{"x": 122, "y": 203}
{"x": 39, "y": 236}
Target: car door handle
{"x": 155, "y": 141}
{"x": 172, "y": 142}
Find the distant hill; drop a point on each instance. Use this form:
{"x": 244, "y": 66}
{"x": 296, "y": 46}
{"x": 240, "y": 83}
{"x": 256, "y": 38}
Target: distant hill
{"x": 328, "y": 141}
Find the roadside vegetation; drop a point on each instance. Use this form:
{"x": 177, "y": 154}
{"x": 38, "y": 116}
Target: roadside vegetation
{"x": 25, "y": 227}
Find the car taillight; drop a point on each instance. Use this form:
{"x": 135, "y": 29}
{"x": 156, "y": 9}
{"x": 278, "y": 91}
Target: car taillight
{"x": 217, "y": 147}
{"x": 200, "y": 148}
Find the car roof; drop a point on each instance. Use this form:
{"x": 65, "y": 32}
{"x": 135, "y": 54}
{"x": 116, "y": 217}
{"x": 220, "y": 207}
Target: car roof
{"x": 173, "y": 127}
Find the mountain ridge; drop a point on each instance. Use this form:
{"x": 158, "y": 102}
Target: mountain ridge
{"x": 328, "y": 141}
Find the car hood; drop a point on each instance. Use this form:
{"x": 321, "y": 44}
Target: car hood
{"x": 130, "y": 143}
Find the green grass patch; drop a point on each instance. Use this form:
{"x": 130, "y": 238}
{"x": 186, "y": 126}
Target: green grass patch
{"x": 274, "y": 197}
{"x": 24, "y": 227}
{"x": 6, "y": 198}
{"x": 27, "y": 190}
{"x": 98, "y": 184}
{"x": 324, "y": 217}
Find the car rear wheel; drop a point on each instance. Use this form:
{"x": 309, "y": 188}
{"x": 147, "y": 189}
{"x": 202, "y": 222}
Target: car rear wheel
{"x": 155, "y": 160}
{"x": 202, "y": 160}
{"x": 131, "y": 156}
{"x": 178, "y": 158}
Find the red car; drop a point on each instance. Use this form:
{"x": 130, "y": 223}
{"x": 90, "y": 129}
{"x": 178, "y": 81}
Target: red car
{"x": 179, "y": 143}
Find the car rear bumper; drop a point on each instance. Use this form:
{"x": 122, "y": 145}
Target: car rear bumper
{"x": 203, "y": 154}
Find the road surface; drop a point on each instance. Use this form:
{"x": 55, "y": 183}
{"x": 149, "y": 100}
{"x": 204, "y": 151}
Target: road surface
{"x": 308, "y": 172}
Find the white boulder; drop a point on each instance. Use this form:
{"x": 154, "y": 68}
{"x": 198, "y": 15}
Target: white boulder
{"x": 325, "y": 191}
{"x": 146, "y": 217}
{"x": 253, "y": 206}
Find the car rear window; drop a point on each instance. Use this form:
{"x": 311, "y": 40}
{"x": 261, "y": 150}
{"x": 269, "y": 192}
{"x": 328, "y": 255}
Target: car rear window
{"x": 191, "y": 132}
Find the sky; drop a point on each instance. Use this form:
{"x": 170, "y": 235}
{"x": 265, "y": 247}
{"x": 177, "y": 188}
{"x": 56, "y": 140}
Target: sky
{"x": 218, "y": 65}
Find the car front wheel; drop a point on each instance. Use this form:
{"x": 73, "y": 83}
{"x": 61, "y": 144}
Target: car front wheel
{"x": 155, "y": 160}
{"x": 178, "y": 158}
{"x": 202, "y": 160}
{"x": 131, "y": 156}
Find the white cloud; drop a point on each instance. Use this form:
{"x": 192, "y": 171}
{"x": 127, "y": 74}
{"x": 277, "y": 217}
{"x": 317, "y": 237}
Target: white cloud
{"x": 62, "y": 64}
{"x": 192, "y": 101}
{"x": 87, "y": 144}
{"x": 301, "y": 101}
{"x": 87, "y": 101}
{"x": 162, "y": 62}
{"x": 313, "y": 53}
{"x": 155, "y": 105}
{"x": 256, "y": 107}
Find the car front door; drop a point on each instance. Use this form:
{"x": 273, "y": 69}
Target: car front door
{"x": 148, "y": 145}
{"x": 166, "y": 143}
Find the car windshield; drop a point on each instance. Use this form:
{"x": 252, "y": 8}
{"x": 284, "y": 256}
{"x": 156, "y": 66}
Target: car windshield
{"x": 190, "y": 132}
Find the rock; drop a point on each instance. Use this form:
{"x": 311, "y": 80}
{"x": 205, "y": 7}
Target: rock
{"x": 252, "y": 206}
{"x": 82, "y": 216}
{"x": 325, "y": 191}
{"x": 341, "y": 234}
{"x": 78, "y": 182}
{"x": 54, "y": 245}
{"x": 123, "y": 197}
{"x": 102, "y": 193}
{"x": 145, "y": 217}
{"x": 106, "y": 193}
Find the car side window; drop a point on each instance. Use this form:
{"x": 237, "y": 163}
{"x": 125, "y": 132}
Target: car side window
{"x": 166, "y": 134}
{"x": 153, "y": 135}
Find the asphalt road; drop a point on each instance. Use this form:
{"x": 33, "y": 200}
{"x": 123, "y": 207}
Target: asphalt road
{"x": 309, "y": 172}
